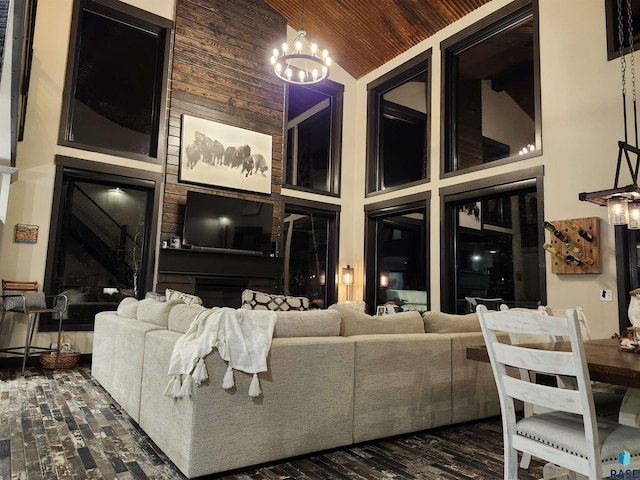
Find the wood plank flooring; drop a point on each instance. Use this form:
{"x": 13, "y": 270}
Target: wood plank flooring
{"x": 65, "y": 426}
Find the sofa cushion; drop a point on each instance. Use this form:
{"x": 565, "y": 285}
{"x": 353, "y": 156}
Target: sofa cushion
{"x": 19, "y": 300}
{"x": 313, "y": 323}
{"x": 185, "y": 297}
{"x": 438, "y": 322}
{"x": 157, "y": 313}
{"x": 358, "y": 323}
{"x": 253, "y": 300}
{"x": 128, "y": 308}
{"x": 181, "y": 316}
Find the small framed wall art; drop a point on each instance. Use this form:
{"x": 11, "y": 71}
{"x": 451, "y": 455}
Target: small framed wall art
{"x": 26, "y": 233}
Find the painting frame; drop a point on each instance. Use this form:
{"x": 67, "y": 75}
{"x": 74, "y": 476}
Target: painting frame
{"x": 470, "y": 215}
{"x": 215, "y": 154}
{"x": 26, "y": 233}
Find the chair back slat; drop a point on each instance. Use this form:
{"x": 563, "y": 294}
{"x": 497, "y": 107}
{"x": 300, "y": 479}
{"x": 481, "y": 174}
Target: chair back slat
{"x": 544, "y": 396}
{"x": 546, "y": 361}
{"x": 19, "y": 286}
{"x": 526, "y": 323}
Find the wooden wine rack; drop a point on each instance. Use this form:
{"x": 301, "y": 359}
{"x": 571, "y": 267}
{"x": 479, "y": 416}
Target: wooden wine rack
{"x": 590, "y": 249}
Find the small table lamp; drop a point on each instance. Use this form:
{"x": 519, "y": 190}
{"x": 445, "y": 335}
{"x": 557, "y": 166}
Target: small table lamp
{"x": 347, "y": 279}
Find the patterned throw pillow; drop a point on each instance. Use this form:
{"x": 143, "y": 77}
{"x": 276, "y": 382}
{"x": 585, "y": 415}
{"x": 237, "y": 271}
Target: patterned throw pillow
{"x": 31, "y": 300}
{"x": 185, "y": 297}
{"x": 252, "y": 300}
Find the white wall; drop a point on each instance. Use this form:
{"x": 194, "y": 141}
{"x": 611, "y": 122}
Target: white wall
{"x": 581, "y": 121}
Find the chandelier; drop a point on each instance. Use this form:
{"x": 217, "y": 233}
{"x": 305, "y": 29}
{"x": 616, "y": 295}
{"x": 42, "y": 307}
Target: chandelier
{"x": 300, "y": 62}
{"x": 623, "y": 203}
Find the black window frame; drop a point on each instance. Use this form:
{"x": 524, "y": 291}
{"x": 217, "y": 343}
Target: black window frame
{"x": 86, "y": 169}
{"x": 474, "y": 189}
{"x": 326, "y": 210}
{"x": 335, "y": 91}
{"x": 375, "y": 111}
{"x": 492, "y": 24}
{"x": 373, "y": 213}
{"x": 120, "y": 12}
{"x": 611, "y": 18}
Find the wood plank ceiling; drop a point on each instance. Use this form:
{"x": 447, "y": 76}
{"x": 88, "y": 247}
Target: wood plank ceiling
{"x": 362, "y": 35}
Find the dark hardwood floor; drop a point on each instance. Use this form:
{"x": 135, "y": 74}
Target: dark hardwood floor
{"x": 63, "y": 425}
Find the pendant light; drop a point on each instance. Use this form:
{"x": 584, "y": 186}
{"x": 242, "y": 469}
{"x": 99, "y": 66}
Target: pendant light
{"x": 300, "y": 62}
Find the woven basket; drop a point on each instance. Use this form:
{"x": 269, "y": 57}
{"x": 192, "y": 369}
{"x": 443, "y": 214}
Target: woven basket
{"x": 66, "y": 360}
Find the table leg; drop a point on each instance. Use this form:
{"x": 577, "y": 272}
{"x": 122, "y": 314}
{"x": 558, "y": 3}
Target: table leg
{"x": 630, "y": 408}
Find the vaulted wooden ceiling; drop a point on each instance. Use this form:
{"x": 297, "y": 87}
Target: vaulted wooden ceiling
{"x": 361, "y": 35}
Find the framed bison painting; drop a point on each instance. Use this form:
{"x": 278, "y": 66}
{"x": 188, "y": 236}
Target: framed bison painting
{"x": 220, "y": 155}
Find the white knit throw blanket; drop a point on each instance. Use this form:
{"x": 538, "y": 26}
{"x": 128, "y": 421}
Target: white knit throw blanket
{"x": 242, "y": 337}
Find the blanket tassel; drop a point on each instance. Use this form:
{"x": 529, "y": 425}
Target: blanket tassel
{"x": 254, "y": 388}
{"x": 200, "y": 372}
{"x": 228, "y": 381}
{"x": 173, "y": 387}
{"x": 187, "y": 387}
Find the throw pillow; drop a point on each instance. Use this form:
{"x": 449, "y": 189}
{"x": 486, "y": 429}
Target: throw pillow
{"x": 31, "y": 300}
{"x": 314, "y": 323}
{"x": 438, "y": 322}
{"x": 128, "y": 308}
{"x": 187, "y": 298}
{"x": 358, "y": 323}
{"x": 253, "y": 300}
{"x": 156, "y": 296}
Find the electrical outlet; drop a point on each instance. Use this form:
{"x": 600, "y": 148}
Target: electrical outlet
{"x": 606, "y": 296}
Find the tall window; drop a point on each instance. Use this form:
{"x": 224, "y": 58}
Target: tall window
{"x": 314, "y": 137}
{"x": 114, "y": 99}
{"x": 397, "y": 253}
{"x": 613, "y": 41}
{"x": 398, "y": 126}
{"x": 101, "y": 241}
{"x": 310, "y": 246}
{"x": 492, "y": 90}
{"x": 495, "y": 233}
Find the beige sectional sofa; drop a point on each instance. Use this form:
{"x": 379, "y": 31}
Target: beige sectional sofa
{"x": 335, "y": 377}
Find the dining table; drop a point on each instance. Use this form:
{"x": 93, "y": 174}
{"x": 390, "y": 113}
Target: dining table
{"x": 607, "y": 363}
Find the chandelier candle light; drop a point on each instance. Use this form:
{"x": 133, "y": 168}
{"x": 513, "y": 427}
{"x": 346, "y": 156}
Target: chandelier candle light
{"x": 300, "y": 62}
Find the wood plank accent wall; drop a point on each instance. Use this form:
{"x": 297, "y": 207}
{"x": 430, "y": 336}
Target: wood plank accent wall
{"x": 221, "y": 72}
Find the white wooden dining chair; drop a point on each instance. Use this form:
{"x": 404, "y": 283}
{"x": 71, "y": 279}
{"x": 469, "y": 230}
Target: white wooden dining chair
{"x": 608, "y": 398}
{"x": 569, "y": 435}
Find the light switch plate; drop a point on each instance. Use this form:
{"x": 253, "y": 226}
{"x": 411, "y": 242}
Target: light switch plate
{"x": 606, "y": 295}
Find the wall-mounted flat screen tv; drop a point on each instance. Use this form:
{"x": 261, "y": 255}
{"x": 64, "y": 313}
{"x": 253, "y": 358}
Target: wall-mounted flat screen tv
{"x": 224, "y": 224}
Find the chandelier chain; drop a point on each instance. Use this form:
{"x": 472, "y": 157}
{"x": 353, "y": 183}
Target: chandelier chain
{"x": 302, "y": 26}
{"x": 631, "y": 49}
{"x": 623, "y": 63}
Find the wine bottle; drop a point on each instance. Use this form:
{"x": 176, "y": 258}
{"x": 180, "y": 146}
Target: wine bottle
{"x": 572, "y": 248}
{"x": 571, "y": 224}
{"x": 557, "y": 233}
{"x": 549, "y": 248}
{"x": 586, "y": 235}
{"x": 571, "y": 260}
